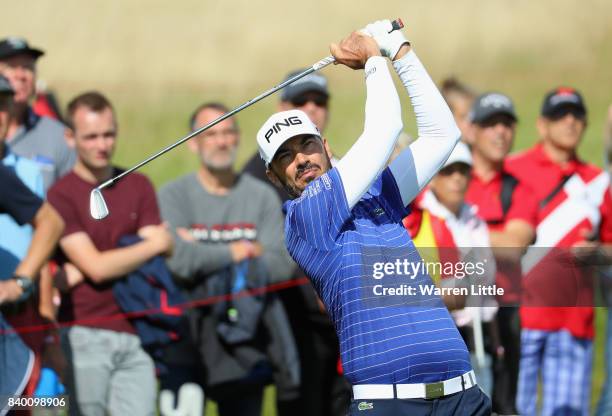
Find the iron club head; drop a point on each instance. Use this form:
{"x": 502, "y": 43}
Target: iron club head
{"x": 97, "y": 205}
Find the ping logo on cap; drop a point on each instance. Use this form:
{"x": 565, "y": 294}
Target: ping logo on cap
{"x": 281, "y": 127}
{"x": 276, "y": 127}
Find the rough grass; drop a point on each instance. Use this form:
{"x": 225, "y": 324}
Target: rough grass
{"x": 158, "y": 59}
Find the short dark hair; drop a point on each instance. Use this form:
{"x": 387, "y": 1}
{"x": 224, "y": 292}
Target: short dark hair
{"x": 213, "y": 105}
{"x": 93, "y": 100}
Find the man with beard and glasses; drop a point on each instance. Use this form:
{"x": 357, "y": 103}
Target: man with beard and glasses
{"x": 225, "y": 223}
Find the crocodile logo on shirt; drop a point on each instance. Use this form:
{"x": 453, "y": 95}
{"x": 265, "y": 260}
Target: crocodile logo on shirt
{"x": 365, "y": 406}
{"x": 378, "y": 212}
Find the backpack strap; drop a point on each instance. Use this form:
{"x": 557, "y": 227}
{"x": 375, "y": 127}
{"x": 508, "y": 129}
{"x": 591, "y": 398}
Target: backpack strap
{"x": 509, "y": 183}
{"x": 555, "y": 191}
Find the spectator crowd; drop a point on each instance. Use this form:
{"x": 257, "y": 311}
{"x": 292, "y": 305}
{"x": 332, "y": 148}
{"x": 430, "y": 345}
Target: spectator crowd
{"x": 192, "y": 285}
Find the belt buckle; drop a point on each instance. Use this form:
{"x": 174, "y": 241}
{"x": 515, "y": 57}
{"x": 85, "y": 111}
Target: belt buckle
{"x": 434, "y": 390}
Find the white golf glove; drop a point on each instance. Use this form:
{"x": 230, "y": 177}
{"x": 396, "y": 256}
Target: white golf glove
{"x": 389, "y": 43}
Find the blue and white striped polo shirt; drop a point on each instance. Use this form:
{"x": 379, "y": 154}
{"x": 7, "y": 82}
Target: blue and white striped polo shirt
{"x": 383, "y": 339}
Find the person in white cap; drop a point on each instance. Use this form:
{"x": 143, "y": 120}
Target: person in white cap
{"x": 446, "y": 228}
{"x": 345, "y": 222}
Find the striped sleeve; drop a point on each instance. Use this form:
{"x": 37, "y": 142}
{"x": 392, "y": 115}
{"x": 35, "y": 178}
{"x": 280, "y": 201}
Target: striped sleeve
{"x": 318, "y": 215}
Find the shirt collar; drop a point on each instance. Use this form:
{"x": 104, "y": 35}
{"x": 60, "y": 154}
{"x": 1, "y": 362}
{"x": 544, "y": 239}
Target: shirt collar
{"x": 9, "y": 158}
{"x": 543, "y": 159}
{"x": 31, "y": 120}
{"x": 496, "y": 177}
{"x": 433, "y": 205}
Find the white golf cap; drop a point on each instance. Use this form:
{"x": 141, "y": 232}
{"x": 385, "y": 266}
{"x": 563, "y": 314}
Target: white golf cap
{"x": 279, "y": 128}
{"x": 461, "y": 153}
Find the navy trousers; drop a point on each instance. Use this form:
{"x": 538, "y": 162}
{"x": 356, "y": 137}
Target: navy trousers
{"x": 471, "y": 402}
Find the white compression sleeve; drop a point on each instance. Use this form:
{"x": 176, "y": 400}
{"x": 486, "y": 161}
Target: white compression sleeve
{"x": 383, "y": 124}
{"x": 438, "y": 133}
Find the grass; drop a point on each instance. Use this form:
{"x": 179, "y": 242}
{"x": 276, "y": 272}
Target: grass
{"x": 158, "y": 60}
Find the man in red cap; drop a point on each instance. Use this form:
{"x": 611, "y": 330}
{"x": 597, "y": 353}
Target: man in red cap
{"x": 573, "y": 221}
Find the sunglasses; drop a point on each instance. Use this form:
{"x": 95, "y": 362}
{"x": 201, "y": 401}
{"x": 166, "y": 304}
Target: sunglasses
{"x": 302, "y": 100}
{"x": 502, "y": 119}
{"x": 460, "y": 167}
{"x": 561, "y": 112}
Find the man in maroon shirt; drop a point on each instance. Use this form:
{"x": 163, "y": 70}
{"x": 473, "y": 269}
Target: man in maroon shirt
{"x": 509, "y": 209}
{"x": 110, "y": 373}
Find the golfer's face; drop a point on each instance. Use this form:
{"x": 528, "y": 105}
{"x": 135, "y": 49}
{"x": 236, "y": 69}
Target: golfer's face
{"x": 94, "y": 136}
{"x": 299, "y": 161}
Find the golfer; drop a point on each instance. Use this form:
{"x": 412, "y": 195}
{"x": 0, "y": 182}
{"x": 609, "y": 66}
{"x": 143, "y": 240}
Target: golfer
{"x": 402, "y": 354}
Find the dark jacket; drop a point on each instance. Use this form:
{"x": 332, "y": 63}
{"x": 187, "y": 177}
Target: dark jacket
{"x": 244, "y": 334}
{"x": 153, "y": 301}
{"x": 16, "y": 361}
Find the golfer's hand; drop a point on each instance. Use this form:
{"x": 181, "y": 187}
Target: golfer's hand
{"x": 10, "y": 291}
{"x": 389, "y": 41}
{"x": 355, "y": 50}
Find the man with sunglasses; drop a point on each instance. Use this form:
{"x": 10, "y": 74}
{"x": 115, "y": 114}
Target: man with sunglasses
{"x": 508, "y": 207}
{"x": 309, "y": 94}
{"x": 445, "y": 228}
{"x": 574, "y": 220}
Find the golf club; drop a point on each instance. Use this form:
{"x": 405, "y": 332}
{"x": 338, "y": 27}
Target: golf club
{"x": 97, "y": 206}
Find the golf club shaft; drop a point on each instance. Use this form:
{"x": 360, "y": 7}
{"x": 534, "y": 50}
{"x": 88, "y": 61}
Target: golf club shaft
{"x": 317, "y": 66}
{"x": 396, "y": 25}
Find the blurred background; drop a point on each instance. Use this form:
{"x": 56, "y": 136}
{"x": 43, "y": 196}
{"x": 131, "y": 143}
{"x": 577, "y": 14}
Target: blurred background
{"x": 157, "y": 60}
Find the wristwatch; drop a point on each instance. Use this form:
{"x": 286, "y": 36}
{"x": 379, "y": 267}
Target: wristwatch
{"x": 27, "y": 287}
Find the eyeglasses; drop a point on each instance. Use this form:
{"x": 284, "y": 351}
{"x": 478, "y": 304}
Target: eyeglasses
{"x": 302, "y": 100}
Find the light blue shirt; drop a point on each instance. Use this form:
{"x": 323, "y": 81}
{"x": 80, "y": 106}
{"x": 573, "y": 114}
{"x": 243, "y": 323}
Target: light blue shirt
{"x": 15, "y": 239}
